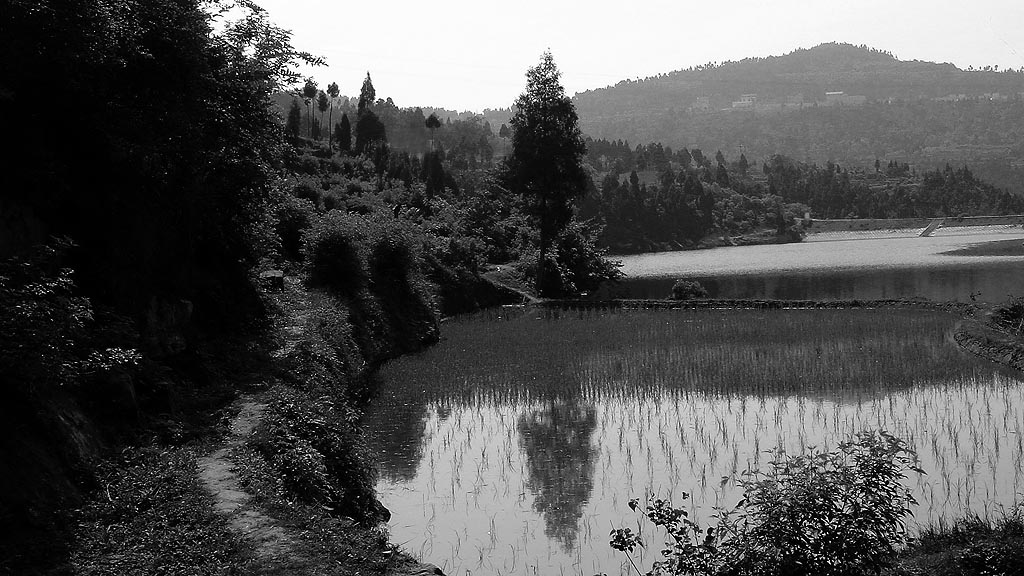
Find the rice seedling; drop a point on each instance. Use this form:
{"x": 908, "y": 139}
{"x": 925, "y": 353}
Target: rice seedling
{"x": 524, "y": 436}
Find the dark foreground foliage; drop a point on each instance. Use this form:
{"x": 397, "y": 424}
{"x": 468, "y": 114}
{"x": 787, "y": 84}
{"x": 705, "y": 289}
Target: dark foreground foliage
{"x": 151, "y": 517}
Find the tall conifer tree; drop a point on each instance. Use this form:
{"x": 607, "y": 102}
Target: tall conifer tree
{"x": 546, "y": 165}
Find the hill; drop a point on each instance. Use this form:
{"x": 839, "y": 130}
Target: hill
{"x": 838, "y": 102}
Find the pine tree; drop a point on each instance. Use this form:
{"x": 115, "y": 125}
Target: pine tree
{"x": 367, "y": 95}
{"x": 546, "y": 165}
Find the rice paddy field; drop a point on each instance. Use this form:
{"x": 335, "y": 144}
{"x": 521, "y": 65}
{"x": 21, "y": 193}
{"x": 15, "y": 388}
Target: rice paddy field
{"x": 514, "y": 445}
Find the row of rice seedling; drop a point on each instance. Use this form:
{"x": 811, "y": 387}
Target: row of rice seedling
{"x": 530, "y": 431}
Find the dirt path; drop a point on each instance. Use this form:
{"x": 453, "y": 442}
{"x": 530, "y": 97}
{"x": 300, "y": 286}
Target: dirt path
{"x": 276, "y": 551}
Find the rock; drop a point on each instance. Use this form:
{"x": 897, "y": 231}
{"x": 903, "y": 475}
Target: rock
{"x": 272, "y": 280}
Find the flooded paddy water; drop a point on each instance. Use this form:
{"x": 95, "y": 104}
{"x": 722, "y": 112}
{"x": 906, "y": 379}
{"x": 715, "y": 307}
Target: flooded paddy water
{"x": 846, "y": 266}
{"x": 514, "y": 445}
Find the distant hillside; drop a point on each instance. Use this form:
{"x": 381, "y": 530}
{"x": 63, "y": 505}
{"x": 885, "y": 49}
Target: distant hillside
{"x": 835, "y": 102}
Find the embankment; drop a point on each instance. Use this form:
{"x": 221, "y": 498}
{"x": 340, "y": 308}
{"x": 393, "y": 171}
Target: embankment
{"x": 981, "y": 339}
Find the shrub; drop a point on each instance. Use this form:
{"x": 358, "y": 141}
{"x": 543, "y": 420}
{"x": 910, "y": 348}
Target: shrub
{"x": 293, "y": 218}
{"x": 334, "y": 247}
{"x": 688, "y": 290}
{"x": 307, "y": 164}
{"x": 821, "y": 513}
{"x": 333, "y": 201}
{"x": 574, "y": 264}
{"x": 404, "y": 294}
{"x": 316, "y": 446}
{"x": 307, "y": 191}
{"x": 1010, "y": 315}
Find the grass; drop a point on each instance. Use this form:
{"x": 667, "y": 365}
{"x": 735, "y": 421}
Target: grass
{"x": 968, "y": 546}
{"x": 152, "y": 517}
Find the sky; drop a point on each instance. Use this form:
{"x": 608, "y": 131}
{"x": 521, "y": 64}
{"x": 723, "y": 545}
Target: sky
{"x": 473, "y": 54}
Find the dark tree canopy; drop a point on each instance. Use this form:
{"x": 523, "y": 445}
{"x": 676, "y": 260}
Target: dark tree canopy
{"x": 546, "y": 164}
{"x": 344, "y": 134}
{"x": 293, "y": 126}
{"x": 369, "y": 129}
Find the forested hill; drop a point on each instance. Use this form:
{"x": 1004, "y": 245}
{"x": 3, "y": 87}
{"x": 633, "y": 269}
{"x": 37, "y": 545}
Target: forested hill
{"x": 834, "y": 102}
{"x": 856, "y": 70}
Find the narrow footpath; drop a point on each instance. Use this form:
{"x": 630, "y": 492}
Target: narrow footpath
{"x": 277, "y": 552}
{"x": 279, "y": 548}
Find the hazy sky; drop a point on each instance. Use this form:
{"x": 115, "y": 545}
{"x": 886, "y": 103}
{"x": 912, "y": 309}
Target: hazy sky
{"x": 471, "y": 55}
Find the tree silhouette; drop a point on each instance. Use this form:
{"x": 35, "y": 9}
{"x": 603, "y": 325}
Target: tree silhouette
{"x": 322, "y": 103}
{"x": 345, "y": 134}
{"x": 332, "y": 91}
{"x": 369, "y": 129}
{"x": 432, "y": 123}
{"x": 559, "y": 464}
{"x": 294, "y": 123}
{"x": 546, "y": 165}
{"x": 309, "y": 91}
{"x": 367, "y": 95}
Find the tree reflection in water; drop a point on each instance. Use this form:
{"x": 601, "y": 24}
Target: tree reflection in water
{"x": 560, "y": 464}
{"x": 399, "y": 420}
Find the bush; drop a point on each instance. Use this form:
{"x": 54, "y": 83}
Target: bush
{"x": 334, "y": 246}
{"x": 404, "y": 294}
{"x": 374, "y": 265}
{"x": 307, "y": 191}
{"x": 293, "y": 218}
{"x": 574, "y": 264}
{"x": 688, "y": 290}
{"x": 1010, "y": 315}
{"x": 822, "y": 513}
{"x": 317, "y": 448}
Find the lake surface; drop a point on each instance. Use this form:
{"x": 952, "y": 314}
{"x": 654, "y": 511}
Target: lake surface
{"x": 852, "y": 266}
{"x": 514, "y": 445}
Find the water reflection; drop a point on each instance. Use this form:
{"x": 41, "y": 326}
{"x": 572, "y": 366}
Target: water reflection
{"x": 555, "y": 440}
{"x": 400, "y": 421}
{"x": 520, "y": 459}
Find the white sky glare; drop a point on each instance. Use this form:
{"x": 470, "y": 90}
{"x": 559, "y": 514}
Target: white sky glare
{"x": 471, "y": 55}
